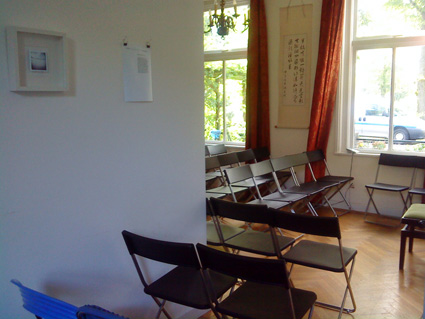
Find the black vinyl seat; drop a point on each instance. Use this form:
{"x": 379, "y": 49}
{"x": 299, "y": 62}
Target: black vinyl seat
{"x": 265, "y": 291}
{"x": 391, "y": 161}
{"x": 252, "y": 241}
{"x": 319, "y": 255}
{"x": 183, "y": 284}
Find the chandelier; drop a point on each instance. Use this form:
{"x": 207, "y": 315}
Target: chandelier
{"x": 224, "y": 22}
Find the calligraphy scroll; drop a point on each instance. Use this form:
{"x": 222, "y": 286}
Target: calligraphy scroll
{"x": 295, "y": 66}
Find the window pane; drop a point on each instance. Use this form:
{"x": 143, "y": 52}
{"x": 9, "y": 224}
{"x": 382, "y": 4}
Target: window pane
{"x": 213, "y": 83}
{"x": 236, "y": 100}
{"x": 372, "y": 99}
{"x": 234, "y": 40}
{"x": 409, "y": 99}
{"x": 389, "y": 17}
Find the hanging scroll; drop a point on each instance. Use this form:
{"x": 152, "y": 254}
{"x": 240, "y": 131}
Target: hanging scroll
{"x": 295, "y": 66}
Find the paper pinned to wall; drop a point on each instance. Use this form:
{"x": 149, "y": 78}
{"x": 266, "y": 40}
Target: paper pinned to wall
{"x": 137, "y": 74}
{"x": 295, "y": 66}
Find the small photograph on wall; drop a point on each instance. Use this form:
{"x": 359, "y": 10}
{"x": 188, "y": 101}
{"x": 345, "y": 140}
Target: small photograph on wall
{"x": 38, "y": 60}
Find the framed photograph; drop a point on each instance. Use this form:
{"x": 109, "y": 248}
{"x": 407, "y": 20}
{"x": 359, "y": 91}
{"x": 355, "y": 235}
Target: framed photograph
{"x": 38, "y": 60}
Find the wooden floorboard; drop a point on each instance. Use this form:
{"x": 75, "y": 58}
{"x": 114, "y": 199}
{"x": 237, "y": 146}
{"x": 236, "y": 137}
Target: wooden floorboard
{"x": 380, "y": 289}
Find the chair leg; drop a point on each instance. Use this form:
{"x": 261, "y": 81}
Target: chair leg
{"x": 341, "y": 309}
{"x": 402, "y": 248}
{"x": 412, "y": 230}
{"x": 161, "y": 308}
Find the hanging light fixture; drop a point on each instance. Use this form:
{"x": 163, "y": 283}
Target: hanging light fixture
{"x": 224, "y": 22}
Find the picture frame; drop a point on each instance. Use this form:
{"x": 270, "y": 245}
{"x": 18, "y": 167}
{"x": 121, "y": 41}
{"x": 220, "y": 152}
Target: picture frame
{"x": 37, "y": 60}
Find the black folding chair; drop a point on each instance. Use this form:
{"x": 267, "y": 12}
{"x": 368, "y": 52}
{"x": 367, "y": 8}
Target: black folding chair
{"x": 253, "y": 241}
{"x": 314, "y": 190}
{"x": 317, "y": 156}
{"x": 319, "y": 255}
{"x": 387, "y": 162}
{"x": 217, "y": 232}
{"x": 183, "y": 284}
{"x": 264, "y": 293}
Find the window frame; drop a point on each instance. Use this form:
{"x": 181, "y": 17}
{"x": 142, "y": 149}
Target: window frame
{"x": 223, "y": 56}
{"x": 346, "y": 90}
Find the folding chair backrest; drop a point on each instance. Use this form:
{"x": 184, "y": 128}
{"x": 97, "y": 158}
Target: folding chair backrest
{"x": 261, "y": 168}
{"x": 261, "y": 153}
{"x": 315, "y": 156}
{"x": 241, "y": 211}
{"x": 207, "y": 152}
{"x": 246, "y": 156}
{"x": 314, "y": 225}
{"x": 420, "y": 162}
{"x": 181, "y": 254}
{"x": 237, "y": 174}
{"x": 44, "y": 306}
{"x": 216, "y": 149}
{"x": 212, "y": 163}
{"x": 270, "y": 271}
{"x": 228, "y": 159}
{"x": 397, "y": 160}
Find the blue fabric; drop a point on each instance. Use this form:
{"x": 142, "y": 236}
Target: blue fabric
{"x": 95, "y": 312}
{"x": 44, "y": 306}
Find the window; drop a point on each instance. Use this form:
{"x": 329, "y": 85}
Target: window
{"x": 225, "y": 81}
{"x": 383, "y": 77}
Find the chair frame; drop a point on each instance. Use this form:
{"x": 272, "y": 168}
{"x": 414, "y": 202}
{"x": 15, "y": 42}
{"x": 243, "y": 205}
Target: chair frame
{"x": 252, "y": 241}
{"x": 319, "y": 156}
{"x": 319, "y": 226}
{"x": 273, "y": 272}
{"x": 183, "y": 255}
{"x": 392, "y": 160}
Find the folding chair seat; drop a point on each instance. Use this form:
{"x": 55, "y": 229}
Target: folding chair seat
{"x": 314, "y": 190}
{"x": 43, "y": 306}
{"x": 184, "y": 283}
{"x": 318, "y": 156}
{"x": 217, "y": 232}
{"x": 319, "y": 255}
{"x": 252, "y": 241}
{"x": 265, "y": 291}
{"x": 386, "y": 162}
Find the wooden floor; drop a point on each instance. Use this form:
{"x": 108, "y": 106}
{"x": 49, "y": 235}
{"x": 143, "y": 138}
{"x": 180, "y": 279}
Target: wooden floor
{"x": 380, "y": 289}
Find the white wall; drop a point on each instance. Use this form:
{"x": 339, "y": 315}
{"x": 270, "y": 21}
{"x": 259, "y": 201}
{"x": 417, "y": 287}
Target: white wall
{"x": 290, "y": 141}
{"x": 77, "y": 168}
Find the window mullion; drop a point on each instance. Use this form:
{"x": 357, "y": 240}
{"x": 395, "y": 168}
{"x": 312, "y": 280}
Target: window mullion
{"x": 224, "y": 102}
{"x": 391, "y": 126}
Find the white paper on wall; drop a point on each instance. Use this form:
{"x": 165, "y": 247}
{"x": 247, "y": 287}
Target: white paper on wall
{"x": 137, "y": 74}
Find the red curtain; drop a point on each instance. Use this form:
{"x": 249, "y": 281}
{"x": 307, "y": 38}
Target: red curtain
{"x": 326, "y": 81}
{"x": 257, "y": 86}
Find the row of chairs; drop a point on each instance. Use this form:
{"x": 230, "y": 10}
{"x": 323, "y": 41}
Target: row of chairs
{"x": 228, "y": 284}
{"x": 216, "y": 183}
{"x": 239, "y": 286}
{"x": 410, "y": 164}
{"x": 46, "y": 307}
{"x": 334, "y": 258}
{"x": 249, "y": 178}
